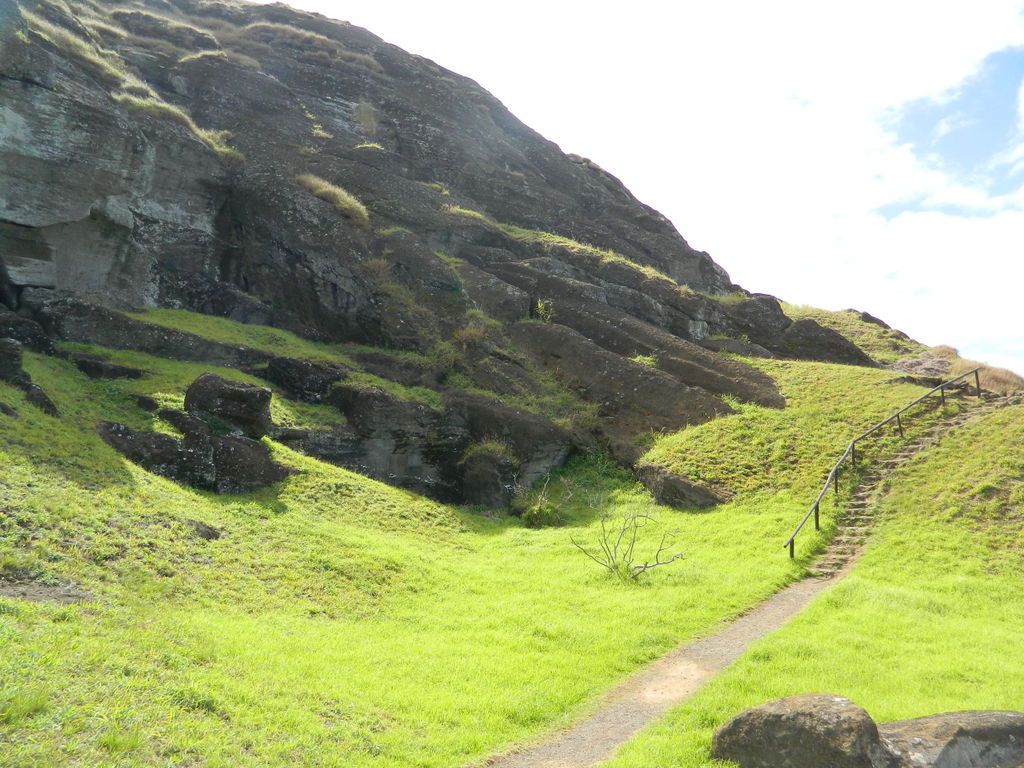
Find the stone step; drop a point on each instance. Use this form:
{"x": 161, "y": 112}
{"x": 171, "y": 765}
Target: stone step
{"x": 843, "y": 550}
{"x": 830, "y": 565}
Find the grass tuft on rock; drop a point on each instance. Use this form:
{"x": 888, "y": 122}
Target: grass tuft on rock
{"x": 343, "y": 201}
{"x": 156, "y": 107}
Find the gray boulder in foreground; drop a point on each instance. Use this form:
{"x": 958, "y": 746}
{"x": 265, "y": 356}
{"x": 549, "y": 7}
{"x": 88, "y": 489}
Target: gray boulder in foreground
{"x": 986, "y": 739}
{"x": 826, "y": 731}
{"x": 807, "y": 731}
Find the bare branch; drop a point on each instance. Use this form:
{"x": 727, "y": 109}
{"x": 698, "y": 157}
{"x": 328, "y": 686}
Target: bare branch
{"x": 666, "y": 542}
{"x": 617, "y": 545}
{"x": 584, "y": 550}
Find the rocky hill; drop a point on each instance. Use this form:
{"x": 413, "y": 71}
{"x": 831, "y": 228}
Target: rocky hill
{"x": 499, "y": 304}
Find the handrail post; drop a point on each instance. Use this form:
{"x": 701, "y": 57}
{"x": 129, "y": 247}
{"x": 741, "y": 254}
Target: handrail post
{"x": 851, "y": 452}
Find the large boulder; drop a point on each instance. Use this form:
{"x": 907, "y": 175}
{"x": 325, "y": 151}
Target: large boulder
{"x": 534, "y": 442}
{"x": 11, "y": 371}
{"x": 34, "y": 395}
{"x": 674, "y": 490}
{"x": 242, "y": 408}
{"x": 98, "y": 367}
{"x": 220, "y": 463}
{"x": 446, "y": 453}
{"x": 69, "y": 319}
{"x": 302, "y": 379}
{"x": 488, "y": 479}
{"x": 806, "y": 731}
{"x": 958, "y": 740}
{"x": 10, "y": 364}
{"x": 401, "y": 442}
{"x": 25, "y": 330}
{"x": 825, "y": 731}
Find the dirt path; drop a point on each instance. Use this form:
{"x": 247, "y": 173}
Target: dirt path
{"x": 674, "y": 677}
{"x": 664, "y": 684}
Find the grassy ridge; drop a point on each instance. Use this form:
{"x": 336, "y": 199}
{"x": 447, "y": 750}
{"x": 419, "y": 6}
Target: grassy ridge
{"x": 929, "y": 621}
{"x": 761, "y": 450}
{"x": 338, "y": 621}
{"x": 883, "y": 344}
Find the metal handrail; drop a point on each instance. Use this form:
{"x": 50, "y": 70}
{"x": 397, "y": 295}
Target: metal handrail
{"x": 851, "y": 451}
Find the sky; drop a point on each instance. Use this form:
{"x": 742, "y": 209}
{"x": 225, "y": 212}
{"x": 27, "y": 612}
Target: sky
{"x": 863, "y": 155}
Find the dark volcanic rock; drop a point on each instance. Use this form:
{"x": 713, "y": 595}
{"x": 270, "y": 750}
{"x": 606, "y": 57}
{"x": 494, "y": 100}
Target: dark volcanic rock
{"x": 10, "y": 364}
{"x": 633, "y": 397}
{"x": 337, "y": 446}
{"x": 244, "y": 465}
{"x": 816, "y": 730}
{"x": 736, "y": 347}
{"x": 98, "y": 367}
{"x": 185, "y": 423}
{"x": 692, "y": 365}
{"x": 497, "y": 298}
{"x": 409, "y": 373}
{"x": 25, "y": 330}
{"x": 807, "y": 731}
{"x": 403, "y": 443}
{"x": 12, "y": 372}
{"x": 35, "y": 395}
{"x": 467, "y": 229}
{"x": 242, "y": 407}
{"x": 146, "y": 403}
{"x": 488, "y": 479}
{"x": 674, "y": 490}
{"x": 148, "y": 214}
{"x": 413, "y": 446}
{"x": 159, "y": 453}
{"x": 537, "y": 444}
{"x": 958, "y": 740}
{"x": 760, "y": 318}
{"x": 70, "y": 319}
{"x": 210, "y": 462}
{"x": 807, "y": 340}
{"x": 301, "y": 379}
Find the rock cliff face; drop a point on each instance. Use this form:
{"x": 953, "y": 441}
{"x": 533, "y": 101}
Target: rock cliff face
{"x": 280, "y": 168}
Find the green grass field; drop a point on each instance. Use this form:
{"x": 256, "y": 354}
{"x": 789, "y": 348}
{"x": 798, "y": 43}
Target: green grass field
{"x": 928, "y": 621}
{"x": 341, "y": 622}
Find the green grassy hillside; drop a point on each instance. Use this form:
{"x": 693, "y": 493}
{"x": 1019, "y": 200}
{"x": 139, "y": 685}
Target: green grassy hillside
{"x": 338, "y": 621}
{"x": 929, "y": 620}
{"x": 881, "y": 342}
